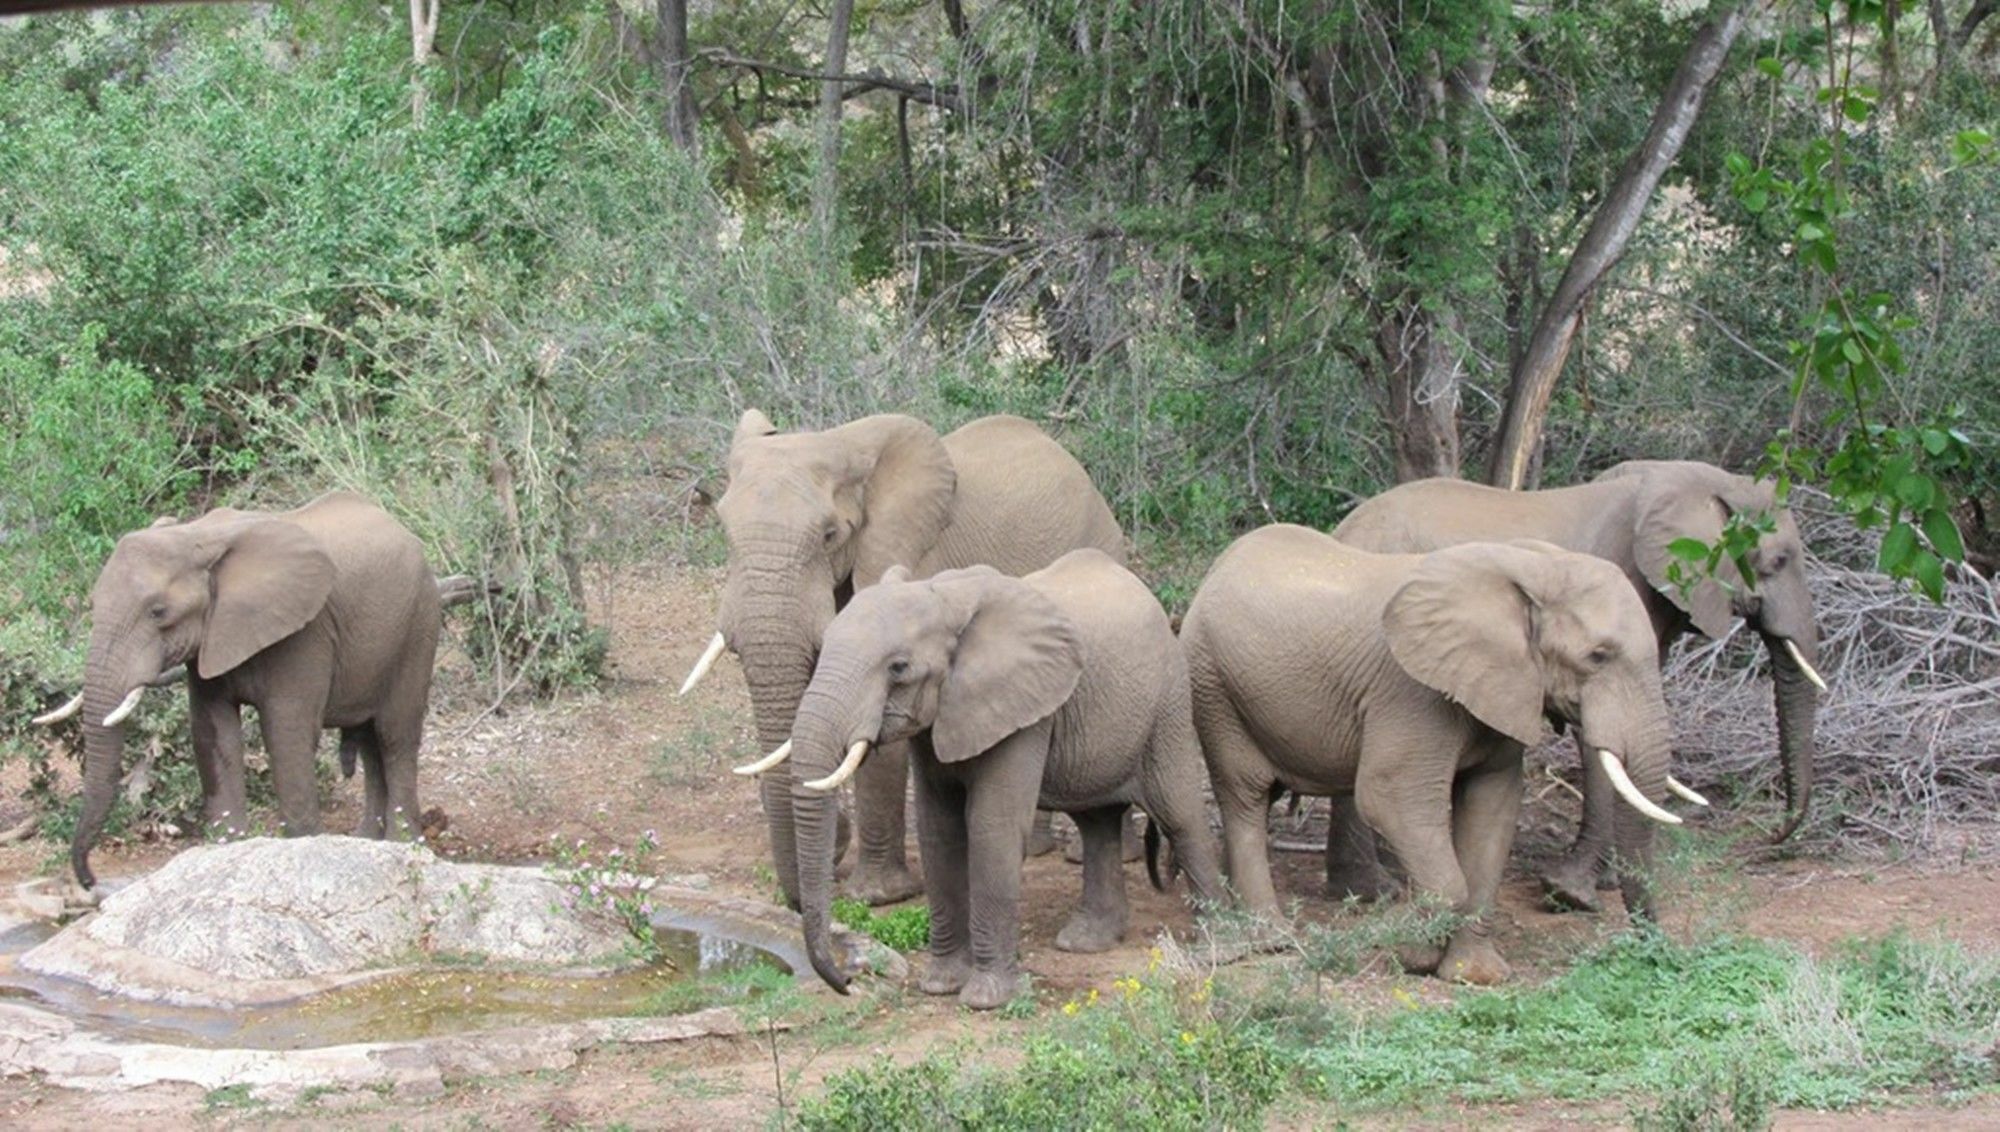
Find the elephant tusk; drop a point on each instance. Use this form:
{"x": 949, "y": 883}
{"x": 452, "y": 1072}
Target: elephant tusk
{"x": 842, "y": 772}
{"x": 702, "y": 666}
{"x": 1622, "y": 782}
{"x": 125, "y": 707}
{"x": 59, "y": 714}
{"x": 1686, "y": 792}
{"x": 749, "y": 770}
{"x": 1812, "y": 674}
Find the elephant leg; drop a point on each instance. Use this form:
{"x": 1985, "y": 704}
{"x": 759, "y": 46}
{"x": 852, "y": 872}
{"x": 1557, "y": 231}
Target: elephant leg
{"x": 1132, "y": 843}
{"x": 216, "y": 727}
{"x": 397, "y": 744}
{"x": 1353, "y": 860}
{"x": 1242, "y": 782}
{"x": 291, "y": 728}
{"x": 1099, "y": 923}
{"x": 1573, "y": 881}
{"x": 1042, "y": 838}
{"x": 367, "y": 746}
{"x": 1485, "y": 810}
{"x": 941, "y": 835}
{"x": 1406, "y": 795}
{"x": 881, "y": 788}
{"x": 1001, "y": 808}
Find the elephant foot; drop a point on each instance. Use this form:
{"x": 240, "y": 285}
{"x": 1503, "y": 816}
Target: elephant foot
{"x": 1571, "y": 886}
{"x": 946, "y": 974}
{"x": 1089, "y": 935}
{"x": 991, "y": 990}
{"x": 1420, "y": 958}
{"x": 370, "y": 828}
{"x": 875, "y": 886}
{"x": 1472, "y": 958}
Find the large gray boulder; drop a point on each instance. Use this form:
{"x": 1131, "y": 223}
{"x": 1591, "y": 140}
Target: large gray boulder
{"x": 265, "y": 920}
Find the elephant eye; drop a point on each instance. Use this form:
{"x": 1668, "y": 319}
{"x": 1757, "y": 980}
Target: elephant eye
{"x": 1778, "y": 562}
{"x": 831, "y": 533}
{"x": 158, "y": 612}
{"x": 899, "y": 668}
{"x": 1602, "y": 654}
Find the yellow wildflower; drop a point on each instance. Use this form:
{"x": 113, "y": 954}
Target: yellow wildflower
{"x": 1404, "y": 997}
{"x": 1153, "y": 958}
{"x": 1070, "y": 1008}
{"x": 1187, "y": 1037}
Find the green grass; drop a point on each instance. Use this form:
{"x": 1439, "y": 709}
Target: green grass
{"x": 1710, "y": 1035}
{"x": 906, "y": 929}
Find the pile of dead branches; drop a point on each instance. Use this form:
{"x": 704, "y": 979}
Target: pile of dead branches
{"x": 1909, "y": 732}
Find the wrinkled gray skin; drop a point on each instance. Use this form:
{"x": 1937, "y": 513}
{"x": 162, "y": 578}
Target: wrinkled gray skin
{"x": 1627, "y": 516}
{"x": 1064, "y": 689}
{"x": 326, "y": 616}
{"x": 1413, "y": 683}
{"x": 812, "y": 517}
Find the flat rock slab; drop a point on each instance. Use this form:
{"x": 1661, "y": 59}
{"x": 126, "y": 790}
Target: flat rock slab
{"x": 265, "y": 920}
{"x": 66, "y": 1053}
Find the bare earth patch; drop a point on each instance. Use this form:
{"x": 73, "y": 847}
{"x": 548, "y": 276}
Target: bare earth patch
{"x": 604, "y": 766}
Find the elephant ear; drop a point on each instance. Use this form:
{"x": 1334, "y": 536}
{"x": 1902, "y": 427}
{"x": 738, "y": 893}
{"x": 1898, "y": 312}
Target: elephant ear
{"x": 1017, "y": 661}
{"x": 269, "y": 581}
{"x": 1464, "y": 624}
{"x": 905, "y": 482}
{"x": 1684, "y": 501}
{"x": 752, "y": 424}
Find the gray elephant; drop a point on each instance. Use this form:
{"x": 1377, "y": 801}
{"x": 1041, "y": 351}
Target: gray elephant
{"x": 326, "y": 616}
{"x": 1414, "y": 683}
{"x": 815, "y": 517}
{"x": 1064, "y": 689}
{"x": 1628, "y": 516}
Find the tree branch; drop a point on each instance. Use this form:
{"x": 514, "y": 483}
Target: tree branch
{"x": 930, "y": 94}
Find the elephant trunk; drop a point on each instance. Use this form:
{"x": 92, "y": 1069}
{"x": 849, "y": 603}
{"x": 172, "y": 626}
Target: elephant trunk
{"x": 817, "y": 748}
{"x": 1643, "y": 744}
{"x": 106, "y": 684}
{"x": 778, "y": 676}
{"x": 1797, "y": 708}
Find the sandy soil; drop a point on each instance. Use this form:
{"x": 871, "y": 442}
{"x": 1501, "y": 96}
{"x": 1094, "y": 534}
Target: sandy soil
{"x": 605, "y": 765}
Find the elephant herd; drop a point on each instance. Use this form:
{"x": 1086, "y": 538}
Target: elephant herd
{"x": 956, "y": 610}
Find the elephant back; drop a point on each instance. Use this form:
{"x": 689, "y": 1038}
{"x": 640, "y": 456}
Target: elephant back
{"x": 1022, "y": 502}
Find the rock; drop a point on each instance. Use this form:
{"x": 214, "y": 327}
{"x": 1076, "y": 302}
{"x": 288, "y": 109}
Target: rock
{"x": 266, "y": 919}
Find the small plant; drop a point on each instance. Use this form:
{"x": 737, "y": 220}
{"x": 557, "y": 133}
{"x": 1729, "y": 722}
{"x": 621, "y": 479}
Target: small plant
{"x": 615, "y": 885}
{"x": 905, "y": 929}
{"x": 1710, "y": 1094}
{"x": 1344, "y": 951}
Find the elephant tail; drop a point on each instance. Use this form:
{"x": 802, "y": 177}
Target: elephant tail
{"x": 350, "y": 750}
{"x": 1153, "y": 856}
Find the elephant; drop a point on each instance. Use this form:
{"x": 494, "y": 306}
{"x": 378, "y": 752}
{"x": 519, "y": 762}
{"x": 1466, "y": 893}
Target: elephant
{"x": 1415, "y": 683}
{"x": 1064, "y": 689}
{"x": 1629, "y": 516}
{"x": 815, "y": 517}
{"x": 323, "y": 616}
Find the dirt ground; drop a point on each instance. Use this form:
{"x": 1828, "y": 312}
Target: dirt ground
{"x": 606, "y": 765}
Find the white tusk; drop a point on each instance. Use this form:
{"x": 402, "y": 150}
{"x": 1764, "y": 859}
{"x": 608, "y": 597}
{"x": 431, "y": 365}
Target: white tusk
{"x": 702, "y": 666}
{"x": 783, "y": 752}
{"x": 842, "y": 772}
{"x": 1622, "y": 782}
{"x": 1808, "y": 669}
{"x": 125, "y": 707}
{"x": 1686, "y": 792}
{"x": 59, "y": 714}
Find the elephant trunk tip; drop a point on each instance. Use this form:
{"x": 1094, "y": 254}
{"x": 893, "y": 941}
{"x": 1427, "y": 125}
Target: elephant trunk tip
{"x": 79, "y": 863}
{"x": 829, "y": 970}
{"x": 1794, "y": 818}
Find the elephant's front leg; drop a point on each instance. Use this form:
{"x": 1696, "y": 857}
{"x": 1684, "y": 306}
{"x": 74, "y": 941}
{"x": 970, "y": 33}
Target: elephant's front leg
{"x": 1001, "y": 789}
{"x": 1574, "y": 881}
{"x": 882, "y": 875}
{"x": 942, "y": 834}
{"x": 1405, "y": 793}
{"x": 216, "y": 726}
{"x": 1099, "y": 923}
{"x": 291, "y": 727}
{"x": 1486, "y": 807}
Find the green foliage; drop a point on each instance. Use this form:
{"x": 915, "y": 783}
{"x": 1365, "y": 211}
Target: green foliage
{"x": 905, "y": 929}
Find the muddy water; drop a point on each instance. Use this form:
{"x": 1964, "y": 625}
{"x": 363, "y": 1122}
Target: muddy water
{"x": 433, "y": 1002}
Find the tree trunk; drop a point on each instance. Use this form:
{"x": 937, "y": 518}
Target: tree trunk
{"x": 1603, "y": 245}
{"x": 670, "y": 61}
{"x": 1422, "y": 374}
{"x": 826, "y": 181}
{"x": 423, "y": 35}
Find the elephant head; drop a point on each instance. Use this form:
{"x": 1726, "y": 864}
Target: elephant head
{"x": 1694, "y": 500}
{"x": 811, "y": 517}
{"x": 1520, "y": 632}
{"x": 211, "y": 593}
{"x": 970, "y": 656}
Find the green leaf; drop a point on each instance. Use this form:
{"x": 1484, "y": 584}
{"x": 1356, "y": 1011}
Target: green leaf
{"x": 1688, "y": 549}
{"x": 1943, "y": 534}
{"x": 1897, "y": 547}
{"x": 1772, "y": 66}
{"x": 1929, "y": 573}
{"x": 1756, "y": 201}
{"x": 1916, "y": 490}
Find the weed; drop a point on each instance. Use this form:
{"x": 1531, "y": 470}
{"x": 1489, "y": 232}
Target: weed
{"x": 1709, "y": 1093}
{"x": 230, "y": 1097}
{"x": 905, "y": 929}
{"x": 613, "y": 886}
{"x": 689, "y": 759}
